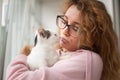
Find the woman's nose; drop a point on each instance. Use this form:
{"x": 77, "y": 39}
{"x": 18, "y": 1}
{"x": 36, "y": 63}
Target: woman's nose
{"x": 66, "y": 31}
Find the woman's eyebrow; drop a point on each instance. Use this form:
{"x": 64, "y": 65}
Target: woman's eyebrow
{"x": 76, "y": 23}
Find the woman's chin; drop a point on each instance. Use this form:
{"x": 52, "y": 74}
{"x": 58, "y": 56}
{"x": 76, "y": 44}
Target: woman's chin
{"x": 64, "y": 47}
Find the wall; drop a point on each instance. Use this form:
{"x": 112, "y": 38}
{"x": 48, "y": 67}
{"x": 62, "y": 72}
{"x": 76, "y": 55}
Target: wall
{"x": 49, "y": 10}
{"x": 116, "y": 4}
{"x": 109, "y": 6}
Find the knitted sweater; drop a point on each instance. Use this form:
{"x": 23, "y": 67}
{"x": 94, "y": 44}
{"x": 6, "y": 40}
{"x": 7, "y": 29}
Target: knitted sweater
{"x": 78, "y": 65}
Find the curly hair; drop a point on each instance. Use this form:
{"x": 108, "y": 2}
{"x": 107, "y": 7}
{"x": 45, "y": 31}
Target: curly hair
{"x": 99, "y": 35}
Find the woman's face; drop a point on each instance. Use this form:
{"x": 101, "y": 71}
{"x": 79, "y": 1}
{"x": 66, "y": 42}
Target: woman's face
{"x": 68, "y": 41}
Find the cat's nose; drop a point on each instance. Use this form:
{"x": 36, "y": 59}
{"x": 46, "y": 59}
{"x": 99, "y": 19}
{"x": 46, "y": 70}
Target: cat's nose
{"x": 55, "y": 34}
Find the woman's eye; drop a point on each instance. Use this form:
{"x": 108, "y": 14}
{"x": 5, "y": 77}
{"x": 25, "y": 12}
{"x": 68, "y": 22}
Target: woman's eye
{"x": 63, "y": 23}
{"x": 75, "y": 28}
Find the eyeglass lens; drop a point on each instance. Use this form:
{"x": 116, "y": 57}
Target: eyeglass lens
{"x": 61, "y": 23}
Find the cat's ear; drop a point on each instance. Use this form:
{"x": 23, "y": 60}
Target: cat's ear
{"x": 26, "y": 49}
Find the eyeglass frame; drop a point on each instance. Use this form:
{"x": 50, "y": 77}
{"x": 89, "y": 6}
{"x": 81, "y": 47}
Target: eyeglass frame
{"x": 66, "y": 24}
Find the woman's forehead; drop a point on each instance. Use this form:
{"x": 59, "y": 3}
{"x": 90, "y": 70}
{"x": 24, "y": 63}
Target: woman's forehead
{"x": 73, "y": 14}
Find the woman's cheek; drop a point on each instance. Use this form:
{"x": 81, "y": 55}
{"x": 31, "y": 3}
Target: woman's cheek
{"x": 76, "y": 42}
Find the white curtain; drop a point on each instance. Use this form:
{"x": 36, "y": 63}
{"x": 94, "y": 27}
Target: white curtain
{"x": 21, "y": 21}
{"x": 1, "y": 43}
{"x": 0, "y": 12}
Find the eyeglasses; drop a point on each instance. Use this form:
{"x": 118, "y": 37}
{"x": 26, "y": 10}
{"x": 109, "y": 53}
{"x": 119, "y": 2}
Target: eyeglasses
{"x": 62, "y": 23}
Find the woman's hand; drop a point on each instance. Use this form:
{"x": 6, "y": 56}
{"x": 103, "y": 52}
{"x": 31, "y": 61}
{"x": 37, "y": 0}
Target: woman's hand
{"x": 26, "y": 49}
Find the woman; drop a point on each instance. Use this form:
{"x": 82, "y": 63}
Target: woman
{"x": 89, "y": 48}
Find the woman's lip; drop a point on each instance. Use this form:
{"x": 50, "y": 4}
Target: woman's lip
{"x": 63, "y": 40}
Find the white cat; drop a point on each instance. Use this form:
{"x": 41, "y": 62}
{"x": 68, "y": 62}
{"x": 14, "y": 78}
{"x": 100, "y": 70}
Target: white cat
{"x": 44, "y": 52}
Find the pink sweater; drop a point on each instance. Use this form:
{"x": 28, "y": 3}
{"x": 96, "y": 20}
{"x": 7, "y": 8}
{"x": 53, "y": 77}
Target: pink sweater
{"x": 80, "y": 65}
